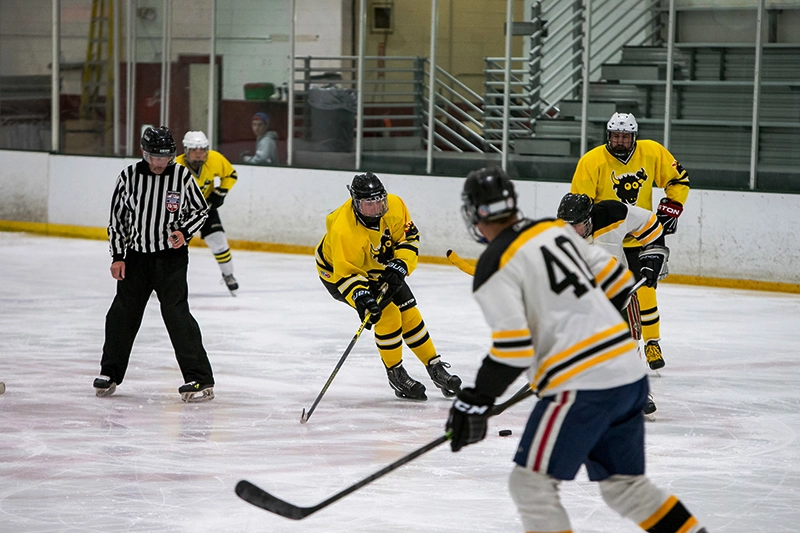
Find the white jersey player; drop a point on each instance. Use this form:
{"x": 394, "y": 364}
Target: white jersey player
{"x": 552, "y": 302}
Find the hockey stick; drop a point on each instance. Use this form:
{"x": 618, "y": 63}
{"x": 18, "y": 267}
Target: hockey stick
{"x": 263, "y": 499}
{"x": 462, "y": 265}
{"x": 306, "y": 415}
{"x": 518, "y": 396}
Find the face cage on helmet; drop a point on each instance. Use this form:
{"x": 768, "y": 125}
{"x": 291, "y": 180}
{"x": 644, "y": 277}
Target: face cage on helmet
{"x": 468, "y": 213}
{"x": 628, "y": 151}
{"x": 171, "y": 156}
{"x": 372, "y": 208}
{"x": 192, "y": 161}
{"x": 583, "y": 227}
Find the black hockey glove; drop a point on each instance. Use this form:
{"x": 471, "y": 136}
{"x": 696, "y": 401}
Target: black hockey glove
{"x": 366, "y": 303}
{"x": 394, "y": 272}
{"x": 468, "y": 418}
{"x": 653, "y": 260}
{"x": 667, "y": 213}
{"x": 217, "y": 197}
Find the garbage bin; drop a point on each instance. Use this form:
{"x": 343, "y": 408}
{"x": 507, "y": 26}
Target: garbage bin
{"x": 333, "y": 118}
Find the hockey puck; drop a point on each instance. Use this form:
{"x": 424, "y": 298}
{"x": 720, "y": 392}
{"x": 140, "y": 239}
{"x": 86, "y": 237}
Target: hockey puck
{"x": 504, "y": 433}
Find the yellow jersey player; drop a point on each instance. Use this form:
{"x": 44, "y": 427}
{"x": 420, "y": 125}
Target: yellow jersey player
{"x": 626, "y": 169}
{"x": 370, "y": 241}
{"x": 551, "y": 301}
{"x": 208, "y": 166}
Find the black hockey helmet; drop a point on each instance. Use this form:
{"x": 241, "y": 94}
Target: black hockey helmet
{"x": 158, "y": 142}
{"x": 369, "y": 198}
{"x": 576, "y": 210}
{"x": 488, "y": 196}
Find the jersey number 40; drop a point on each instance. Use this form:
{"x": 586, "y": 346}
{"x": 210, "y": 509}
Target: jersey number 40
{"x": 573, "y": 273}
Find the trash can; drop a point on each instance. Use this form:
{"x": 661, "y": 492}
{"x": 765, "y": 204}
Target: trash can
{"x": 333, "y": 118}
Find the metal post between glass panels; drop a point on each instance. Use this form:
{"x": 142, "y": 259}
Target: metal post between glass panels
{"x": 117, "y": 88}
{"x": 362, "y": 35}
{"x": 290, "y": 121}
{"x": 670, "y": 63}
{"x": 756, "y": 96}
{"x": 130, "y": 79}
{"x": 432, "y": 85}
{"x": 55, "y": 80}
{"x": 586, "y": 64}
{"x": 165, "y": 62}
{"x": 507, "y": 81}
{"x": 212, "y": 63}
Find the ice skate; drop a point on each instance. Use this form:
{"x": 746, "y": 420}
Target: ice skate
{"x": 194, "y": 392}
{"x": 405, "y": 386}
{"x": 449, "y": 384}
{"x": 652, "y": 352}
{"x": 650, "y": 409}
{"x": 231, "y": 283}
{"x": 103, "y": 386}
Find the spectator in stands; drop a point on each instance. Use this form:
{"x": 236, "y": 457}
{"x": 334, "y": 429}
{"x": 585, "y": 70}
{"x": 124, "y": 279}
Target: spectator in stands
{"x": 266, "y": 149}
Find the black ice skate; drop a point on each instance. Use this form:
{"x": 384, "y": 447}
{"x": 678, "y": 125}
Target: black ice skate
{"x": 404, "y": 386}
{"x": 194, "y": 392}
{"x": 103, "y": 386}
{"x": 231, "y": 283}
{"x": 449, "y": 384}
{"x": 650, "y": 408}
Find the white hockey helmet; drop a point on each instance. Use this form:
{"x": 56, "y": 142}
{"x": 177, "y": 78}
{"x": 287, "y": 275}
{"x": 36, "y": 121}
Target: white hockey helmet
{"x": 195, "y": 139}
{"x": 625, "y": 123}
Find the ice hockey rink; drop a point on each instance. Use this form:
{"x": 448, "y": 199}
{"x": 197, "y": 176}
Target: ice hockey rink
{"x": 725, "y": 438}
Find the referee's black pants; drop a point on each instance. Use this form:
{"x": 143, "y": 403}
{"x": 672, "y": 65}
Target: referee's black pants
{"x": 165, "y": 273}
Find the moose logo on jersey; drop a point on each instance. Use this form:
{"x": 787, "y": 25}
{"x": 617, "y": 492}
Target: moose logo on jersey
{"x": 385, "y": 251}
{"x": 627, "y": 186}
{"x": 173, "y": 201}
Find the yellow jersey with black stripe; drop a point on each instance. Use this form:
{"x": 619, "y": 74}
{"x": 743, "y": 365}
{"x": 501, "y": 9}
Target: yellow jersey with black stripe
{"x": 602, "y": 176}
{"x": 350, "y": 254}
{"x": 547, "y": 297}
{"x": 216, "y": 166}
{"x": 613, "y": 221}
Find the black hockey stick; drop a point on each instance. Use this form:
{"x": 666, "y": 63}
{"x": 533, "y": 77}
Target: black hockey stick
{"x": 306, "y": 415}
{"x": 263, "y": 499}
{"x": 518, "y": 396}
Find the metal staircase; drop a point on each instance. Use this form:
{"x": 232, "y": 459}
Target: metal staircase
{"x": 97, "y": 89}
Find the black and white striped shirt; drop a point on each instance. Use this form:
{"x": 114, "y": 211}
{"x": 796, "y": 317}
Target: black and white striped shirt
{"x": 146, "y": 208}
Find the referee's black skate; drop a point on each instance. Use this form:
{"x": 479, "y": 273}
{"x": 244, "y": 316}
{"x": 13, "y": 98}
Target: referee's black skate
{"x": 194, "y": 392}
{"x": 231, "y": 283}
{"x": 103, "y": 386}
{"x": 404, "y": 385}
{"x": 448, "y": 383}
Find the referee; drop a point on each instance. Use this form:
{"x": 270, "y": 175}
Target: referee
{"x": 155, "y": 210}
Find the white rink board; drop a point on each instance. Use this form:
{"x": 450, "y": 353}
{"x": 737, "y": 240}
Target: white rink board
{"x": 721, "y": 234}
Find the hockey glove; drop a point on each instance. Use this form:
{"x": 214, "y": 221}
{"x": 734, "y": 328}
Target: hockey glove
{"x": 667, "y": 213}
{"x": 366, "y": 303}
{"x": 217, "y": 197}
{"x": 653, "y": 260}
{"x": 395, "y": 271}
{"x": 468, "y": 418}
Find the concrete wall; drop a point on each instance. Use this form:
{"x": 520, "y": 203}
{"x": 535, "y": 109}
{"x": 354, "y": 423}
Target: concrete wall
{"x": 733, "y": 235}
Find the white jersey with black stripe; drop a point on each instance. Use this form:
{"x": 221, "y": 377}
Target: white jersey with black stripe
{"x": 546, "y": 295}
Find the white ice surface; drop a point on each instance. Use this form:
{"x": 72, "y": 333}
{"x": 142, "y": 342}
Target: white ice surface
{"x": 725, "y": 439}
